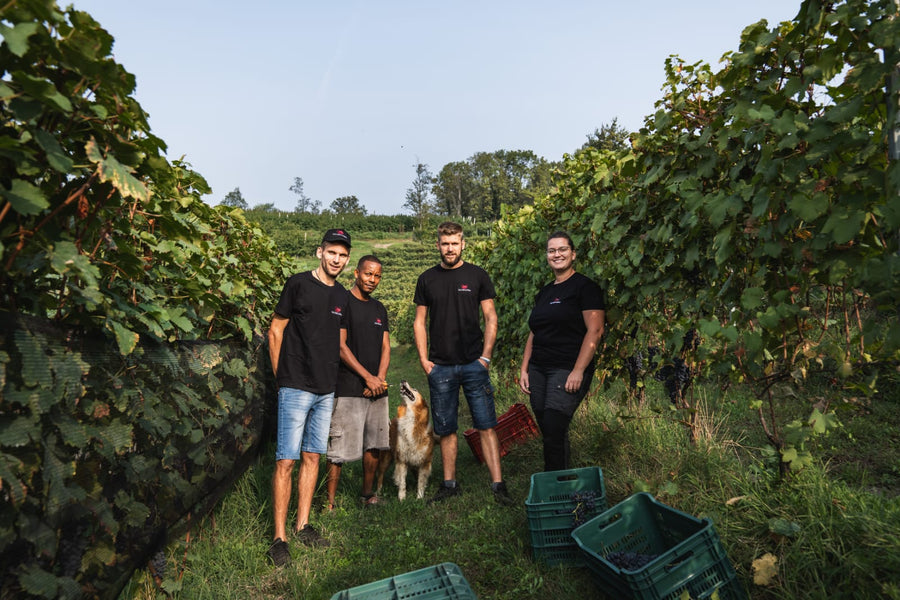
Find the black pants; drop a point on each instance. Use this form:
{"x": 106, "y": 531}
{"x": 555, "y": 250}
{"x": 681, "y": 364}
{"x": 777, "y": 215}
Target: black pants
{"x": 554, "y": 408}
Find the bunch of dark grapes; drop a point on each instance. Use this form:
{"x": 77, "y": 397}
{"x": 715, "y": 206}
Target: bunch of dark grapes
{"x": 694, "y": 277}
{"x": 630, "y": 561}
{"x": 585, "y": 503}
{"x": 691, "y": 341}
{"x": 70, "y": 550}
{"x": 676, "y": 378}
{"x": 634, "y": 364}
{"x": 652, "y": 353}
{"x": 158, "y": 566}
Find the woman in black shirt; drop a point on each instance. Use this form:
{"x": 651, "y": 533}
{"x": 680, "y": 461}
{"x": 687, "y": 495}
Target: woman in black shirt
{"x": 558, "y": 362}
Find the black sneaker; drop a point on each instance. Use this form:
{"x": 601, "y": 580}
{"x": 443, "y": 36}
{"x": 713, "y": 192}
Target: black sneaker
{"x": 311, "y": 537}
{"x": 445, "y": 492}
{"x": 279, "y": 553}
{"x": 501, "y": 494}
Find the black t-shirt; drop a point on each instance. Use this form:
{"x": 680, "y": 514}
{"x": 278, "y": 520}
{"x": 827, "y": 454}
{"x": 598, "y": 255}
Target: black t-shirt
{"x": 311, "y": 345}
{"x": 453, "y": 298}
{"x": 366, "y": 323}
{"x": 557, "y": 323}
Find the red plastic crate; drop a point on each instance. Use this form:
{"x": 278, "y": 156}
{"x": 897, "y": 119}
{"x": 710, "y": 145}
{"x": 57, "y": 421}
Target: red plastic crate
{"x": 514, "y": 426}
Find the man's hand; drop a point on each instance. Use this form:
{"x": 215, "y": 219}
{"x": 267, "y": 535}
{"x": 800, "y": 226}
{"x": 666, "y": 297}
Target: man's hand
{"x": 374, "y": 387}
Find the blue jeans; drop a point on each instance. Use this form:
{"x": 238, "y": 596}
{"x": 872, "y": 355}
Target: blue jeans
{"x": 444, "y": 382}
{"x": 303, "y": 422}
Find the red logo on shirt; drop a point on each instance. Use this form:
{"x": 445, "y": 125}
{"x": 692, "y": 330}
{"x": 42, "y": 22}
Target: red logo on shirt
{"x": 464, "y": 288}
{"x": 337, "y": 311}
{"x": 378, "y": 322}
{"x": 556, "y": 301}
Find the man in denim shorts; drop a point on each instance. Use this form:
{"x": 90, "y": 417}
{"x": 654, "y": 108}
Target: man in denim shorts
{"x": 304, "y": 345}
{"x": 451, "y": 295}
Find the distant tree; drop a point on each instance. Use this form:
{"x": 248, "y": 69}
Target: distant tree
{"x": 348, "y": 205}
{"x": 452, "y": 188}
{"x": 236, "y": 199}
{"x": 486, "y": 181}
{"x": 418, "y": 197}
{"x": 609, "y": 137}
{"x": 305, "y": 204}
{"x": 267, "y": 207}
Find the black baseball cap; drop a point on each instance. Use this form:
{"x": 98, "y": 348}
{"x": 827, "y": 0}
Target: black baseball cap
{"x": 336, "y": 236}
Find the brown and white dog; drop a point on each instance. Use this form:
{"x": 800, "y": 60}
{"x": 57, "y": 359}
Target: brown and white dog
{"x": 412, "y": 442}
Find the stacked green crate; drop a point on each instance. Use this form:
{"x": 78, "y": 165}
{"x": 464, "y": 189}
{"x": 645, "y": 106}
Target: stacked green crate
{"x": 559, "y": 501}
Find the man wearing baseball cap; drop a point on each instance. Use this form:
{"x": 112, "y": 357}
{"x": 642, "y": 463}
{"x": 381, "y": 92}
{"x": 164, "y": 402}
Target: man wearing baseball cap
{"x": 304, "y": 345}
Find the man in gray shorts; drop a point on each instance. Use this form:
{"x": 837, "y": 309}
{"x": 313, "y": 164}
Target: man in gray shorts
{"x": 360, "y": 421}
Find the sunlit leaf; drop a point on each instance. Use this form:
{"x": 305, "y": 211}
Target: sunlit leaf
{"x": 125, "y": 338}
{"x": 16, "y": 37}
{"x": 25, "y": 198}
{"x": 119, "y": 175}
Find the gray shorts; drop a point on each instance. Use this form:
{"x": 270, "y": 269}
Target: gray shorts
{"x": 357, "y": 424}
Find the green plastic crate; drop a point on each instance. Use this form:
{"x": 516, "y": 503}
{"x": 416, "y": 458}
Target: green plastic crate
{"x": 443, "y": 581}
{"x": 689, "y": 554}
{"x": 551, "y": 510}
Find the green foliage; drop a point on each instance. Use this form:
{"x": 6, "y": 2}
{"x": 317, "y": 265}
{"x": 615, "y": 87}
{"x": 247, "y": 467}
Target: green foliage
{"x": 113, "y": 426}
{"x": 235, "y": 199}
{"x": 347, "y": 205}
{"x": 305, "y": 204}
{"x": 756, "y": 205}
{"x": 478, "y": 187}
{"x": 418, "y": 196}
{"x": 608, "y": 137}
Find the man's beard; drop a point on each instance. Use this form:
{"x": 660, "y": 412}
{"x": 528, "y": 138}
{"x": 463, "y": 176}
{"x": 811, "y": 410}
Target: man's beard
{"x": 455, "y": 262}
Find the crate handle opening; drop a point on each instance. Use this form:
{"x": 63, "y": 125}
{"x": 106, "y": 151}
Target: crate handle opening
{"x": 567, "y": 477}
{"x": 612, "y": 519}
{"x": 677, "y": 562}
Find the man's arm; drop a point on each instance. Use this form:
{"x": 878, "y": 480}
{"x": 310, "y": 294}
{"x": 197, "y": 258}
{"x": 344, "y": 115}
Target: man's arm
{"x": 421, "y": 336}
{"x": 490, "y": 329}
{"x": 385, "y": 356}
{"x": 276, "y": 336}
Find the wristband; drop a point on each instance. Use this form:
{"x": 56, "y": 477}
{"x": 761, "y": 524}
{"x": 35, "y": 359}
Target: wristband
{"x": 485, "y": 359}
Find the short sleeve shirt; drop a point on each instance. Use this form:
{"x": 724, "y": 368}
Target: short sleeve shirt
{"x": 557, "y": 323}
{"x": 310, "y": 347}
{"x": 366, "y": 323}
{"x": 453, "y": 298}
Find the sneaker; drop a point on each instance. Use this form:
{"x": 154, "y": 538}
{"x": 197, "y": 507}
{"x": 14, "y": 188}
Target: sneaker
{"x": 369, "y": 501}
{"x": 501, "y": 494}
{"x": 445, "y": 492}
{"x": 311, "y": 537}
{"x": 279, "y": 553}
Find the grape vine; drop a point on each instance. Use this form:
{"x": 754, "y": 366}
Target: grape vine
{"x": 757, "y": 206}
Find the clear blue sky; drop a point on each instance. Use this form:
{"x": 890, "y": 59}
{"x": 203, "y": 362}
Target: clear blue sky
{"x": 350, "y": 95}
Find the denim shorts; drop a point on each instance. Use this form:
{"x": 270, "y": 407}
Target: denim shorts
{"x": 303, "y": 422}
{"x": 444, "y": 382}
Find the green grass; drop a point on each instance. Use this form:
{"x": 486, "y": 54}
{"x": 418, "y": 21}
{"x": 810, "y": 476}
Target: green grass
{"x": 832, "y": 538}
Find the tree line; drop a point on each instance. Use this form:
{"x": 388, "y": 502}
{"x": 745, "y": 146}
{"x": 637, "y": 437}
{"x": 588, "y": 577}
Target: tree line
{"x": 472, "y": 189}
